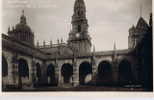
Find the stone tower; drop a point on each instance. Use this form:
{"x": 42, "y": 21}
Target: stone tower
{"x": 136, "y": 33}
{"x": 79, "y": 39}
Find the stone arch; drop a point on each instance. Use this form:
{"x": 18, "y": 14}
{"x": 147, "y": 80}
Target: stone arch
{"x": 38, "y": 73}
{"x": 4, "y": 67}
{"x": 85, "y": 73}
{"x": 23, "y": 70}
{"x": 51, "y": 75}
{"x": 67, "y": 72}
{"x": 104, "y": 73}
{"x": 125, "y": 72}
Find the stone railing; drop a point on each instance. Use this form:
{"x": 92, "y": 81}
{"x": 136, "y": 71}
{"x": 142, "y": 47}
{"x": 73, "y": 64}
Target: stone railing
{"x": 51, "y": 46}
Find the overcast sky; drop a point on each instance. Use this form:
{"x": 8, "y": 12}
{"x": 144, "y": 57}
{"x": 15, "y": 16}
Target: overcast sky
{"x": 109, "y": 20}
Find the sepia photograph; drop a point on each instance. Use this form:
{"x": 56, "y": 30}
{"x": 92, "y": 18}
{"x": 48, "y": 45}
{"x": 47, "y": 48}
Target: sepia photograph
{"x": 77, "y": 45}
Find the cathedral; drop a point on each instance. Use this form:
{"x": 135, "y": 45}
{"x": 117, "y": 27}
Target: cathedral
{"x": 73, "y": 64}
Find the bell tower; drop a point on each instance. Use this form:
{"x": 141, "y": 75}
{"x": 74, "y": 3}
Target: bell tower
{"x": 79, "y": 38}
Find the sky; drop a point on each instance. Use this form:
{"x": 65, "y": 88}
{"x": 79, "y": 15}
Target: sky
{"x": 109, "y": 20}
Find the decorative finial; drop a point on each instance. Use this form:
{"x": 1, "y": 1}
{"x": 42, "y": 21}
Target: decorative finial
{"x": 114, "y": 46}
{"x": 114, "y": 52}
{"x": 22, "y": 12}
{"x": 44, "y": 43}
{"x": 51, "y": 43}
{"x": 57, "y": 41}
{"x": 61, "y": 40}
{"x": 9, "y": 29}
{"x": 12, "y": 28}
{"x": 37, "y": 43}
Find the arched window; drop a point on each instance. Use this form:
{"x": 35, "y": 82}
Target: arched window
{"x": 79, "y": 28}
{"x": 78, "y": 13}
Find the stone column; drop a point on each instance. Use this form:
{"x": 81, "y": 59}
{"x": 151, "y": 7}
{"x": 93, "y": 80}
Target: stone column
{"x": 94, "y": 70}
{"x": 115, "y": 67}
{"x": 14, "y": 72}
{"x": 32, "y": 73}
{"x": 115, "y": 72}
{"x": 75, "y": 78}
{"x": 58, "y": 74}
{"x": 44, "y": 77}
{"x": 9, "y": 79}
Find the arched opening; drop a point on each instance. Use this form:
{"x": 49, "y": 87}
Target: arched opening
{"x": 125, "y": 72}
{"x": 23, "y": 72}
{"x": 38, "y": 73}
{"x": 85, "y": 72}
{"x": 78, "y": 13}
{"x": 4, "y": 67}
{"x": 51, "y": 75}
{"x": 67, "y": 72}
{"x": 104, "y": 75}
{"x": 79, "y": 28}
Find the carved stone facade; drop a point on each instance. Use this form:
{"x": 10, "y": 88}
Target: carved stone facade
{"x": 68, "y": 64}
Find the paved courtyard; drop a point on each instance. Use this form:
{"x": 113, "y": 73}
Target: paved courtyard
{"x": 81, "y": 88}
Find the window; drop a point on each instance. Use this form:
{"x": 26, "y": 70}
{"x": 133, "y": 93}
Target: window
{"x": 78, "y": 13}
{"x": 79, "y": 28}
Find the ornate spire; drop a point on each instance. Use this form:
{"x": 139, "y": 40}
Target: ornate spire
{"x": 79, "y": 18}
{"x": 80, "y": 5}
{"x": 79, "y": 8}
{"x": 23, "y": 12}
{"x": 79, "y": 30}
{"x": 114, "y": 51}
